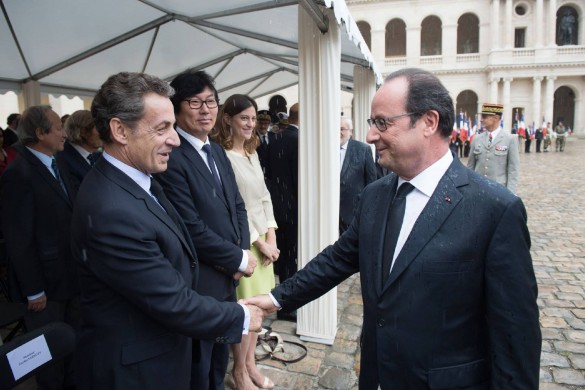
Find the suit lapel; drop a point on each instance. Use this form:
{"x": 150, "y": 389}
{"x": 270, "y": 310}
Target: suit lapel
{"x": 346, "y": 161}
{"x": 122, "y": 180}
{"x": 440, "y": 206}
{"x": 384, "y": 210}
{"x": 193, "y": 155}
{"x": 47, "y": 176}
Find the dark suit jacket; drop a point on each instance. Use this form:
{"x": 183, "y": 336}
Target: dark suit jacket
{"x": 262, "y": 151}
{"x": 459, "y": 308}
{"x": 36, "y": 215}
{"x": 10, "y": 137}
{"x": 78, "y": 166}
{"x": 138, "y": 273}
{"x": 283, "y": 171}
{"x": 358, "y": 171}
{"x": 217, "y": 223}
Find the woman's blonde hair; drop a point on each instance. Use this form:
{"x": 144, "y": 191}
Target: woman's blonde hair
{"x": 79, "y": 126}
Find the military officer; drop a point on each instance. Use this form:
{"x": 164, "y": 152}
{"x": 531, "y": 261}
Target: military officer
{"x": 494, "y": 153}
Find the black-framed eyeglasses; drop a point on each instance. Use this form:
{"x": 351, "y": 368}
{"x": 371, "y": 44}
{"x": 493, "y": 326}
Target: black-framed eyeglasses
{"x": 197, "y": 104}
{"x": 381, "y": 123}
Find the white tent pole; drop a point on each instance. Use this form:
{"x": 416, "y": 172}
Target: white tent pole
{"x": 319, "y": 101}
{"x": 364, "y": 87}
{"x": 31, "y": 93}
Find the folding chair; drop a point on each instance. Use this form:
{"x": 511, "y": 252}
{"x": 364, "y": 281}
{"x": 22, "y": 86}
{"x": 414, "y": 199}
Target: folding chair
{"x": 57, "y": 338}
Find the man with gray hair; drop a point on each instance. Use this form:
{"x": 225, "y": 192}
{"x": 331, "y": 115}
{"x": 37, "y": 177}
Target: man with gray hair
{"x": 137, "y": 264}
{"x": 36, "y": 197}
{"x": 357, "y": 171}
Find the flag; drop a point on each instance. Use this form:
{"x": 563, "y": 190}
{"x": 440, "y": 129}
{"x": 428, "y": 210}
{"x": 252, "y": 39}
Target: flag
{"x": 522, "y": 127}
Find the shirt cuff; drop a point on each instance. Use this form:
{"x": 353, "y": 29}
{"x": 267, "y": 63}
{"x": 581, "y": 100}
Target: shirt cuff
{"x": 246, "y": 326}
{"x": 33, "y": 297}
{"x": 274, "y": 301}
{"x": 244, "y": 263}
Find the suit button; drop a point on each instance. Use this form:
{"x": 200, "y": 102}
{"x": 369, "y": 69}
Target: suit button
{"x": 381, "y": 322}
{"x": 238, "y": 242}
{"x": 193, "y": 264}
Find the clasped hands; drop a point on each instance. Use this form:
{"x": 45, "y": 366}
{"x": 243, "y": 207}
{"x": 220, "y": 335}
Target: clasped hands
{"x": 259, "y": 306}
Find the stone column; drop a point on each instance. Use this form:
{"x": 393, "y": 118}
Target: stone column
{"x": 494, "y": 89}
{"x": 508, "y": 28}
{"x": 551, "y": 23}
{"x": 31, "y": 93}
{"x": 537, "y": 23}
{"x": 536, "y": 98}
{"x": 495, "y": 25}
{"x": 507, "y": 104}
{"x": 413, "y": 45}
{"x": 549, "y": 99}
{"x": 379, "y": 45}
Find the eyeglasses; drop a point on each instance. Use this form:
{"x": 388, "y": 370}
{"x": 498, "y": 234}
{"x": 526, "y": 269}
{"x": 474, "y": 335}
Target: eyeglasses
{"x": 197, "y": 104}
{"x": 381, "y": 123}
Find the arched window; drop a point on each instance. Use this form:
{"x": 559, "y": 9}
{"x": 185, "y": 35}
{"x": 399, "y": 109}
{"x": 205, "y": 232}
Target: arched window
{"x": 396, "y": 38}
{"x": 467, "y": 105}
{"x": 564, "y": 107}
{"x": 567, "y": 26}
{"x": 468, "y": 34}
{"x": 430, "y": 37}
{"x": 366, "y": 32}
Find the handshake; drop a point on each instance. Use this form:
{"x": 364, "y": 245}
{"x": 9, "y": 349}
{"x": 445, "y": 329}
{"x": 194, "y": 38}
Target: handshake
{"x": 259, "y": 306}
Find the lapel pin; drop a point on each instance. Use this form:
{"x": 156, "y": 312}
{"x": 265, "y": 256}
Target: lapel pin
{"x": 447, "y": 199}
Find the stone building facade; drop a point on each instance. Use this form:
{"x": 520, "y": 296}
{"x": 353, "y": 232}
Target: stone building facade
{"x": 526, "y": 54}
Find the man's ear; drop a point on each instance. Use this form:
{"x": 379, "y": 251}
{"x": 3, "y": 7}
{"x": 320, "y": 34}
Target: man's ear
{"x": 40, "y": 134}
{"x": 431, "y": 120}
{"x": 119, "y": 131}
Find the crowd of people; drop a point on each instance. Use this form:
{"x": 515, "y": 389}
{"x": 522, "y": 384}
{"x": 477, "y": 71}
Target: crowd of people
{"x": 155, "y": 224}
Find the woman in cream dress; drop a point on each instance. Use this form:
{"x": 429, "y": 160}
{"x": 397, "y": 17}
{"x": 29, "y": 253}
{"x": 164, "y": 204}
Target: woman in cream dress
{"x": 236, "y": 133}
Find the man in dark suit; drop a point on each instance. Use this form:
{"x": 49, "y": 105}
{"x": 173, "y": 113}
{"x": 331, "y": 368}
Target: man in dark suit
{"x": 137, "y": 264}
{"x": 10, "y": 133}
{"x": 36, "y": 197}
{"x": 204, "y": 191}
{"x": 357, "y": 171}
{"x": 453, "y": 303}
{"x": 262, "y": 124}
{"x": 82, "y": 145}
{"x": 283, "y": 157}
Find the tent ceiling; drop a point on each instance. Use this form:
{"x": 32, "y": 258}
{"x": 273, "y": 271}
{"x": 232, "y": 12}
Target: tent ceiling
{"x": 249, "y": 46}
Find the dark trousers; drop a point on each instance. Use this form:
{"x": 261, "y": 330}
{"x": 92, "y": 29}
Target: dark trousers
{"x": 59, "y": 375}
{"x": 538, "y": 143}
{"x": 286, "y": 240}
{"x": 209, "y": 365}
{"x": 527, "y": 145}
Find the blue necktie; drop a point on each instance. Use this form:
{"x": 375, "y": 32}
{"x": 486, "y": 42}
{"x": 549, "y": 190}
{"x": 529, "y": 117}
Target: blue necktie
{"x": 57, "y": 175}
{"x": 207, "y": 149}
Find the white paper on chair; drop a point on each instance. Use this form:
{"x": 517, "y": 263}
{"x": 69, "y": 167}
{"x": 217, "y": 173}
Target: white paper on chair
{"x": 29, "y": 356}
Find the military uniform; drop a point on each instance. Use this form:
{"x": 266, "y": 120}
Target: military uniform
{"x": 498, "y": 161}
{"x": 561, "y": 134}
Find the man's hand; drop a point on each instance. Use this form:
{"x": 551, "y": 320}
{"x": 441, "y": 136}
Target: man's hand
{"x": 256, "y": 318}
{"x": 38, "y": 304}
{"x": 238, "y": 275}
{"x": 251, "y": 264}
{"x": 262, "y": 301}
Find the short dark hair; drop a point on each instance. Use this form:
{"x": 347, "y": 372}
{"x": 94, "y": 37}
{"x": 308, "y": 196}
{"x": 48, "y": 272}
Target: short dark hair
{"x": 34, "y": 118}
{"x": 425, "y": 93}
{"x": 122, "y": 97}
{"x": 190, "y": 83}
{"x": 12, "y": 117}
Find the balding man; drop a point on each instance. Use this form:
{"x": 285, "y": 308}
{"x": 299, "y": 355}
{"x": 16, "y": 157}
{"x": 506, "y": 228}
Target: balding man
{"x": 357, "y": 171}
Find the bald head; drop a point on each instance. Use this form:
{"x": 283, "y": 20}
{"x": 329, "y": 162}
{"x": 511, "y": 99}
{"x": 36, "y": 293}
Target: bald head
{"x": 293, "y": 114}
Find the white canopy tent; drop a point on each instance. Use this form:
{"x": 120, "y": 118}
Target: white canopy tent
{"x": 255, "y": 47}
{"x": 250, "y": 46}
